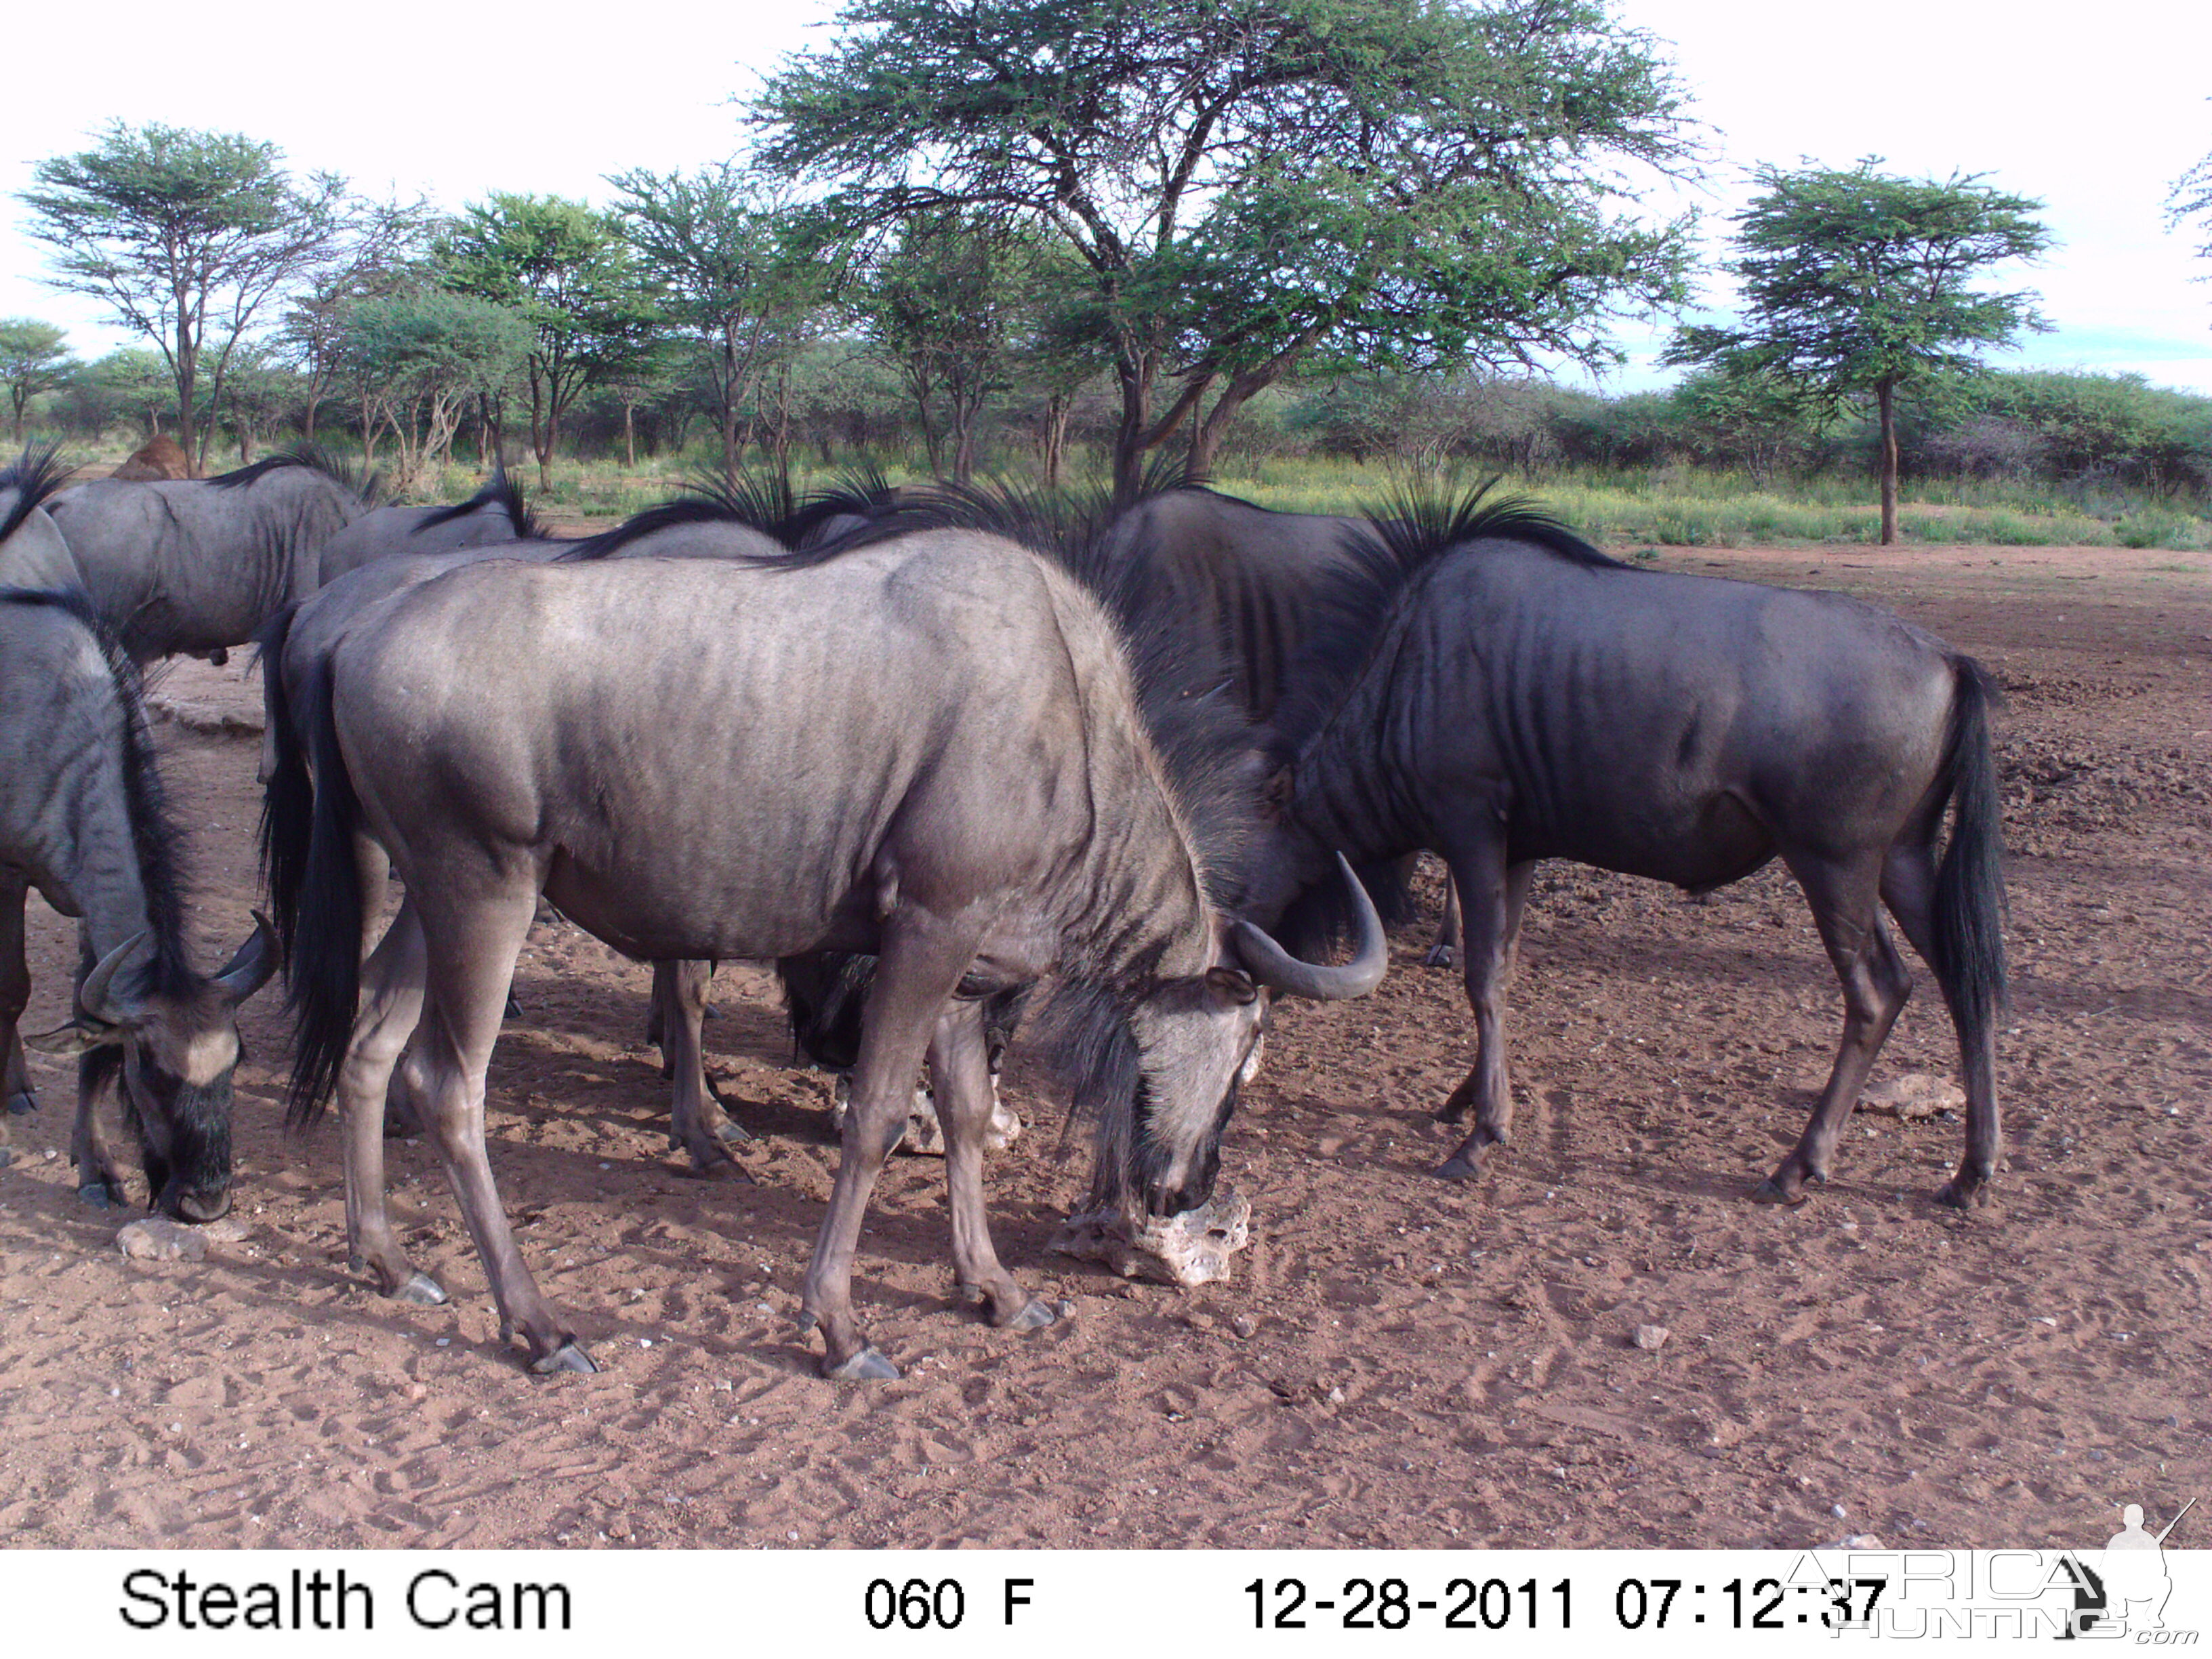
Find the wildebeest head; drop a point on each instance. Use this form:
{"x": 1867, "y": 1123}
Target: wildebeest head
{"x": 178, "y": 1050}
{"x": 1198, "y": 1039}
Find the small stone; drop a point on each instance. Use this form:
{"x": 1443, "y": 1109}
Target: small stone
{"x": 227, "y": 1230}
{"x": 1336, "y": 1396}
{"x": 1244, "y": 1325}
{"x": 1651, "y": 1338}
{"x": 1863, "y": 1541}
{"x": 157, "y": 1238}
{"x": 1838, "y": 1510}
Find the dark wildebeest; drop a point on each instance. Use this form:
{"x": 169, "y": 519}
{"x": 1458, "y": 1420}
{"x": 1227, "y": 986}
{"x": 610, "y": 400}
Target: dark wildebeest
{"x": 496, "y": 512}
{"x": 200, "y": 566}
{"x": 928, "y": 748}
{"x": 82, "y": 818}
{"x": 1492, "y": 688}
{"x": 302, "y": 638}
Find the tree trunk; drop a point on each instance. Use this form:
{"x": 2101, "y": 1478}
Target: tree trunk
{"x": 629, "y": 436}
{"x": 1054, "y": 441}
{"x": 1885, "y": 401}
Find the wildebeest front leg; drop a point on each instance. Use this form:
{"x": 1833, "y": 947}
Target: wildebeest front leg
{"x": 99, "y": 1182}
{"x": 390, "y": 1005}
{"x": 1875, "y": 985}
{"x": 695, "y": 1121}
{"x": 1492, "y": 897}
{"x": 15, "y": 993}
{"x": 960, "y": 1071}
{"x": 922, "y": 959}
{"x": 1449, "y": 943}
{"x": 471, "y": 946}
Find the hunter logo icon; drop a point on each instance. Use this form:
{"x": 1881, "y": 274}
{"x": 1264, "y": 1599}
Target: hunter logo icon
{"x": 2128, "y": 1589}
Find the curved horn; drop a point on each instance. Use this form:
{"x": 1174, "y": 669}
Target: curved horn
{"x": 92, "y": 995}
{"x": 1274, "y": 966}
{"x": 249, "y": 969}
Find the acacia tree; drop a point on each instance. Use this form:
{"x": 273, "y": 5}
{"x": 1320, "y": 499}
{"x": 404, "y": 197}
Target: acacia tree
{"x": 566, "y": 270}
{"x": 1858, "y": 285}
{"x": 1250, "y": 182}
{"x": 2191, "y": 198}
{"x": 185, "y": 235}
{"x": 378, "y": 254}
{"x": 737, "y": 269}
{"x": 34, "y": 357}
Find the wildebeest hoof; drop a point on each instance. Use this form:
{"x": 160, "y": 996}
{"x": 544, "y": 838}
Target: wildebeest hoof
{"x": 566, "y": 1358}
{"x": 1959, "y": 1194}
{"x": 1033, "y": 1317}
{"x": 422, "y": 1290}
{"x": 734, "y": 1134}
{"x": 513, "y": 1009}
{"x": 22, "y": 1103}
{"x": 99, "y": 1194}
{"x": 1459, "y": 1167}
{"x": 1439, "y": 956}
{"x": 866, "y": 1366}
{"x": 1771, "y": 1191}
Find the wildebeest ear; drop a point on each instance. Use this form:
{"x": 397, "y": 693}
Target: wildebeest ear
{"x": 1232, "y": 985}
{"x": 249, "y": 970}
{"x": 77, "y": 1037}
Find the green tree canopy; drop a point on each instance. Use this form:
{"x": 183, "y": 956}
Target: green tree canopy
{"x": 185, "y": 235}
{"x": 567, "y": 271}
{"x": 738, "y": 270}
{"x": 419, "y": 358}
{"x": 34, "y": 357}
{"x": 1856, "y": 284}
{"x": 1248, "y": 182}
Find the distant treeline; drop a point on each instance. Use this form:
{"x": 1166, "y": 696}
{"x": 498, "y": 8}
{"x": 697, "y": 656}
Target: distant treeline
{"x": 839, "y": 400}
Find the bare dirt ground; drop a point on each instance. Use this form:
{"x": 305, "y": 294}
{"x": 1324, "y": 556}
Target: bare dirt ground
{"x": 1399, "y": 1362}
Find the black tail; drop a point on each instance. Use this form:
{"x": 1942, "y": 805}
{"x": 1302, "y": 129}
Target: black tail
{"x": 287, "y": 802}
{"x": 323, "y": 968}
{"x": 1970, "y": 893}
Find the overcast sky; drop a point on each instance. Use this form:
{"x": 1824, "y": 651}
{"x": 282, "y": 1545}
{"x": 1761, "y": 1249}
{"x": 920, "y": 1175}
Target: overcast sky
{"x": 2094, "y": 111}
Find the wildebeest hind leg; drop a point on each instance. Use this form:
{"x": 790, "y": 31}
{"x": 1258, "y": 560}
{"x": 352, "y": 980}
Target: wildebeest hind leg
{"x": 471, "y": 946}
{"x": 391, "y": 1005}
{"x": 1908, "y": 888}
{"x": 1875, "y": 985}
{"x": 15, "y": 993}
{"x": 695, "y": 1122}
{"x": 923, "y": 957}
{"x": 1492, "y": 902}
{"x": 960, "y": 1071}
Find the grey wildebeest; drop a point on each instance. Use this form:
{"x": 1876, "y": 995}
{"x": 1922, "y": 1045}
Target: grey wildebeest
{"x": 928, "y": 748}
{"x": 82, "y": 818}
{"x": 496, "y": 512}
{"x": 199, "y": 566}
{"x": 1493, "y": 689}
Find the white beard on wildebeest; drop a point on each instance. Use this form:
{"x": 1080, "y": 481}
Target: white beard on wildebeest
{"x": 1493, "y": 689}
{"x": 985, "y": 806}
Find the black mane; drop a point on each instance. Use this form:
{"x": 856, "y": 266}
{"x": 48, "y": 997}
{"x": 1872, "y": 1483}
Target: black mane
{"x": 756, "y": 503}
{"x": 35, "y": 476}
{"x": 366, "y": 484}
{"x": 155, "y": 834}
{"x": 1389, "y": 556}
{"x": 501, "y": 492}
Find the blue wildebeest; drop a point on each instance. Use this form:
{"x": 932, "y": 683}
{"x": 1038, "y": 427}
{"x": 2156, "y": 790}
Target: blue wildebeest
{"x": 496, "y": 512}
{"x": 200, "y": 566}
{"x": 83, "y": 819}
{"x": 300, "y": 638}
{"x": 929, "y": 748}
{"x": 1492, "y": 688}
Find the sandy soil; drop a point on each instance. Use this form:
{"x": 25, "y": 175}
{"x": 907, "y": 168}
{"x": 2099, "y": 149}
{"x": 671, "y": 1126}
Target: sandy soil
{"x": 1399, "y": 1362}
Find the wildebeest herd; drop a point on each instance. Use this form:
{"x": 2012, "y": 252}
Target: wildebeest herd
{"x": 965, "y": 762}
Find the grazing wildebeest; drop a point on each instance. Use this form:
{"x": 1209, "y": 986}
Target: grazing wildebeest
{"x": 928, "y": 748}
{"x": 496, "y": 512}
{"x": 200, "y": 566}
{"x": 1492, "y": 688}
{"x": 82, "y": 818}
